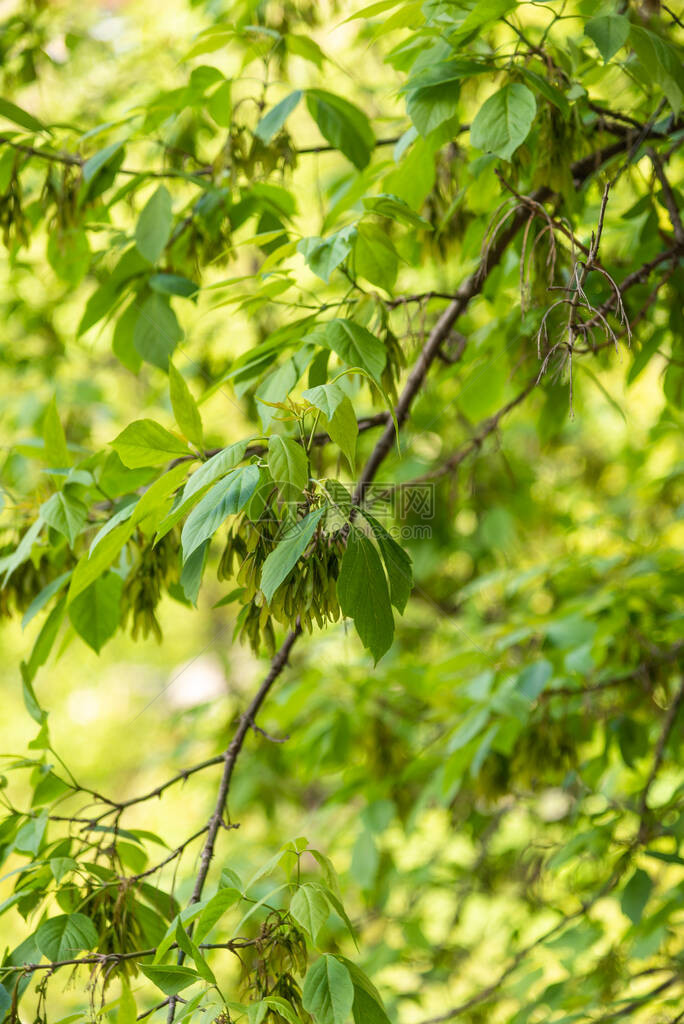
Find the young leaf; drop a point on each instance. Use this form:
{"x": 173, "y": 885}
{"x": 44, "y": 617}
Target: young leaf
{"x": 328, "y": 992}
{"x": 96, "y": 612}
{"x": 225, "y": 498}
{"x": 147, "y": 443}
{"x": 64, "y": 937}
{"x": 323, "y": 255}
{"x": 154, "y": 226}
{"x": 184, "y": 407}
{"x": 343, "y": 429}
{"x": 279, "y": 563}
{"x": 271, "y": 123}
{"x": 343, "y": 125}
{"x": 363, "y": 594}
{"x": 503, "y": 122}
{"x": 325, "y": 397}
{"x": 310, "y": 909}
{"x": 288, "y": 465}
{"x": 65, "y": 514}
{"x": 21, "y": 117}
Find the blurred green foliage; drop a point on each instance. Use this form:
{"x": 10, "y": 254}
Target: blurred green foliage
{"x": 239, "y": 238}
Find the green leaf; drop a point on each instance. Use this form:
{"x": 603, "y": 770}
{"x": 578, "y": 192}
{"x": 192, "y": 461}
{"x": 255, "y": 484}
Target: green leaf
{"x": 323, "y": 255}
{"x": 44, "y": 641}
{"x": 288, "y": 465}
{"x": 394, "y": 209}
{"x": 21, "y": 117}
{"x": 547, "y": 90}
{"x": 68, "y": 254}
{"x": 363, "y": 594}
{"x": 609, "y": 32}
{"x": 127, "y": 1011}
{"x": 430, "y": 106}
{"x": 503, "y": 122}
{"x": 635, "y": 895}
{"x": 344, "y": 429}
{"x": 343, "y": 125}
{"x": 310, "y": 909}
{"x": 6, "y": 1003}
{"x": 65, "y": 514}
{"x": 56, "y": 451}
{"x": 193, "y": 571}
{"x": 397, "y": 564}
{"x": 328, "y": 992}
{"x": 64, "y": 937}
{"x": 214, "y": 910}
{"x": 325, "y": 397}
{"x": 375, "y": 258}
{"x": 154, "y": 226}
{"x": 22, "y": 551}
{"x": 661, "y": 62}
{"x": 218, "y": 465}
{"x": 96, "y": 163}
{"x": 157, "y": 331}
{"x": 123, "y": 338}
{"x": 43, "y": 598}
{"x": 354, "y": 344}
{"x": 368, "y": 1008}
{"x": 284, "y": 1009}
{"x": 157, "y": 494}
{"x": 173, "y": 284}
{"x": 169, "y": 978}
{"x": 485, "y": 12}
{"x": 96, "y": 612}
{"x": 225, "y": 498}
{"x": 120, "y": 516}
{"x": 89, "y": 567}
{"x": 279, "y": 563}
{"x": 184, "y": 407}
{"x": 147, "y": 443}
{"x": 271, "y": 123}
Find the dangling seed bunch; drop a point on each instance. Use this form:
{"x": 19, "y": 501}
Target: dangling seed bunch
{"x": 144, "y": 586}
{"x": 308, "y": 593}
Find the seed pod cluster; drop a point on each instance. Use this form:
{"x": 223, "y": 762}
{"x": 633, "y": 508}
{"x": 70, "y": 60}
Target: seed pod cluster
{"x": 27, "y": 580}
{"x": 307, "y": 594}
{"x": 143, "y": 588}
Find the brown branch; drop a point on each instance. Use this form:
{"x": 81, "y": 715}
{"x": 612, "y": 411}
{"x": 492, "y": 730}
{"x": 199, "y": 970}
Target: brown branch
{"x": 639, "y": 674}
{"x": 668, "y": 197}
{"x": 639, "y": 1001}
{"x": 658, "y": 757}
{"x": 117, "y": 807}
{"x": 101, "y": 959}
{"x": 230, "y": 757}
